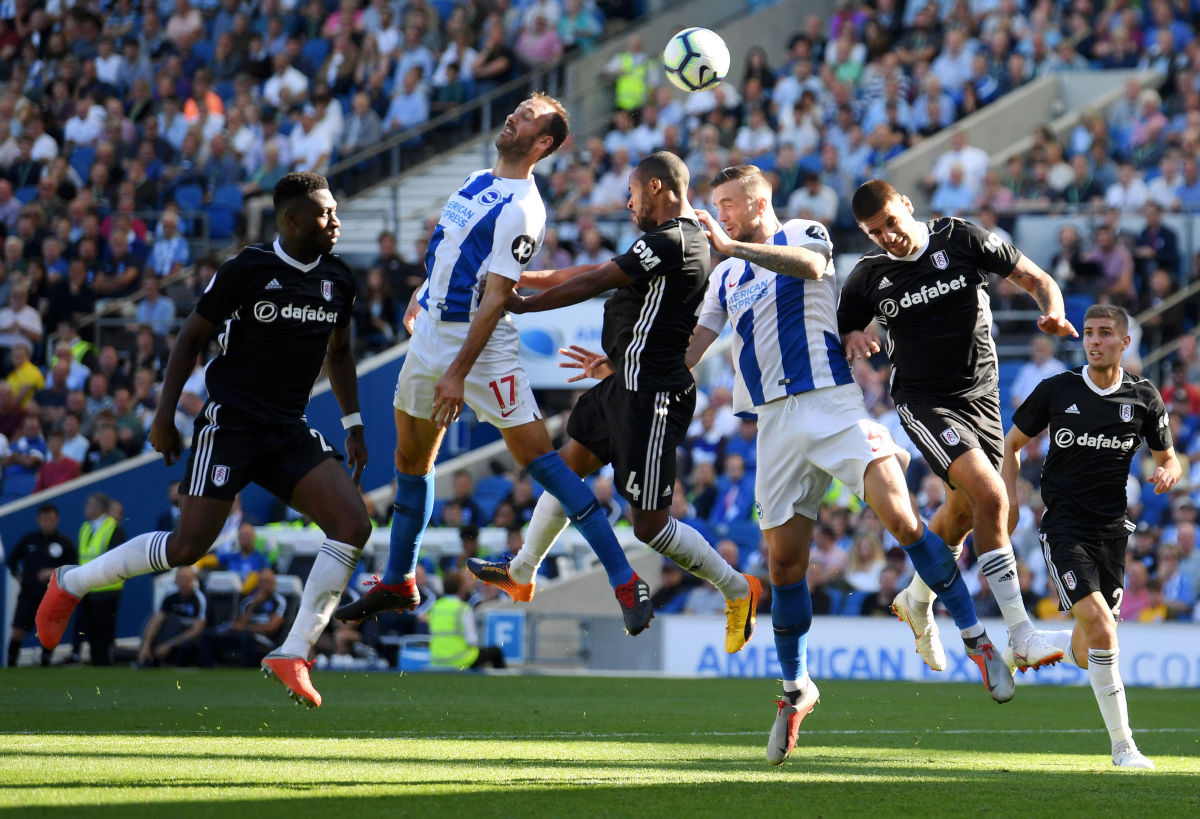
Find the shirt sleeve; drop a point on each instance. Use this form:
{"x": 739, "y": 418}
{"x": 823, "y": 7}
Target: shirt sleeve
{"x": 653, "y": 253}
{"x": 221, "y": 297}
{"x": 1033, "y": 415}
{"x": 811, "y": 235}
{"x": 1157, "y": 426}
{"x": 713, "y": 314}
{"x": 990, "y": 252}
{"x": 515, "y": 241}
{"x": 854, "y": 312}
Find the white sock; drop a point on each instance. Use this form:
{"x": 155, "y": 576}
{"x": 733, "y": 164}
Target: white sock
{"x": 141, "y": 555}
{"x": 790, "y": 686}
{"x": 1000, "y": 568}
{"x": 549, "y": 520}
{"x": 1062, "y": 641}
{"x": 1105, "y": 678}
{"x": 920, "y": 590}
{"x": 691, "y": 551}
{"x": 330, "y": 573}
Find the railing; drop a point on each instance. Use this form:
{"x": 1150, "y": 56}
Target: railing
{"x": 1158, "y": 356}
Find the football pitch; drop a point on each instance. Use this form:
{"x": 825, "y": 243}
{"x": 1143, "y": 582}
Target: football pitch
{"x": 83, "y": 742}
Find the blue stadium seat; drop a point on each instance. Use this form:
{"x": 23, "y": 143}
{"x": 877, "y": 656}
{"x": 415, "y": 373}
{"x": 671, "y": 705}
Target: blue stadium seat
{"x": 203, "y": 49}
{"x": 82, "y": 158}
{"x": 1076, "y": 305}
{"x": 228, "y": 197}
{"x": 26, "y": 194}
{"x": 189, "y": 197}
{"x": 225, "y": 90}
{"x": 315, "y": 51}
{"x": 221, "y": 222}
{"x": 489, "y": 492}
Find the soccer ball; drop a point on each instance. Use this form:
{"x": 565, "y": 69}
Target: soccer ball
{"x": 696, "y": 59}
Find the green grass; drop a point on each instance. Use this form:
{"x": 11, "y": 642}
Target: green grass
{"x": 83, "y": 742}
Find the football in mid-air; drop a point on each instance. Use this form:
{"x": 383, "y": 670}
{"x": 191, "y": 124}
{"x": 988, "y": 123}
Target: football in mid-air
{"x": 696, "y": 59}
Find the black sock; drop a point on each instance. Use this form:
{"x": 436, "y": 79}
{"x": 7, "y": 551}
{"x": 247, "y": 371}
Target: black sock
{"x": 974, "y": 642}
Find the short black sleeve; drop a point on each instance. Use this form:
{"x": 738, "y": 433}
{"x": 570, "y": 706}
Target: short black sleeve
{"x": 992, "y": 253}
{"x": 351, "y": 293}
{"x": 1157, "y": 427}
{"x": 1033, "y": 415}
{"x": 651, "y": 254}
{"x": 221, "y": 297}
{"x": 854, "y": 311}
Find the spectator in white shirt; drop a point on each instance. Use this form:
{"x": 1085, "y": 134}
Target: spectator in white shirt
{"x": 1041, "y": 366}
{"x": 1129, "y": 192}
{"x": 972, "y": 160}
{"x": 756, "y": 137}
{"x": 83, "y": 128}
{"x": 311, "y": 147}
{"x": 813, "y": 200}
{"x": 109, "y": 64}
{"x": 286, "y": 80}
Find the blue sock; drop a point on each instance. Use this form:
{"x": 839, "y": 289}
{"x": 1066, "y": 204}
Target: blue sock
{"x": 581, "y": 507}
{"x": 934, "y": 561}
{"x": 413, "y": 508}
{"x": 791, "y": 617}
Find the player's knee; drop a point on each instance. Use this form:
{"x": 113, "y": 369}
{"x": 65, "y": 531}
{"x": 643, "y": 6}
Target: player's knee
{"x": 183, "y": 550}
{"x": 1099, "y": 629}
{"x": 646, "y": 530}
{"x": 787, "y": 569}
{"x": 354, "y": 531}
{"x": 902, "y": 523}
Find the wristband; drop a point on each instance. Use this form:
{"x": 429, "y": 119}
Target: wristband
{"x": 354, "y": 419}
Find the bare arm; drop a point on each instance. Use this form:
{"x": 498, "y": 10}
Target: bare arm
{"x": 152, "y": 629}
{"x": 448, "y": 393}
{"x": 545, "y": 279}
{"x": 702, "y": 339}
{"x": 343, "y": 380}
{"x": 1039, "y": 284}
{"x": 1168, "y": 472}
{"x": 163, "y": 435}
{"x": 797, "y": 262}
{"x": 1014, "y": 442}
{"x": 574, "y": 290}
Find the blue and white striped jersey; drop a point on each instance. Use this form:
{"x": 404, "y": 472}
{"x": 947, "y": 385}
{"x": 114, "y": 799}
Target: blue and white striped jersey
{"x": 491, "y": 224}
{"x": 785, "y": 340}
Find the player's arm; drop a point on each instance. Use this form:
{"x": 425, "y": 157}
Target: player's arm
{"x": 449, "y": 391}
{"x": 343, "y": 380}
{"x": 702, "y": 339}
{"x": 580, "y": 287}
{"x": 1014, "y": 442}
{"x": 1168, "y": 472}
{"x": 153, "y": 626}
{"x": 545, "y": 279}
{"x": 797, "y": 262}
{"x": 164, "y": 437}
{"x": 856, "y": 320}
{"x": 1039, "y": 284}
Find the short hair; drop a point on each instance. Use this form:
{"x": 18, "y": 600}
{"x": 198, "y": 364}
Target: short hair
{"x": 1110, "y": 311}
{"x": 753, "y": 180}
{"x": 298, "y": 185}
{"x": 48, "y": 507}
{"x": 667, "y": 168}
{"x": 871, "y": 197}
{"x": 558, "y": 126}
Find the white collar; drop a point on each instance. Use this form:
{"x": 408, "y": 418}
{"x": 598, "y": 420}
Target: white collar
{"x": 304, "y": 268}
{"x": 921, "y": 245}
{"x": 1087, "y": 379}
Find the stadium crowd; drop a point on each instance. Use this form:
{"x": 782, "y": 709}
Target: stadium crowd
{"x": 136, "y": 129}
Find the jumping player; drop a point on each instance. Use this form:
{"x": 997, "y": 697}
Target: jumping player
{"x": 779, "y": 290}
{"x": 929, "y": 289}
{"x": 283, "y": 310}
{"x": 464, "y": 348}
{"x": 1098, "y": 415}
{"x": 639, "y": 413}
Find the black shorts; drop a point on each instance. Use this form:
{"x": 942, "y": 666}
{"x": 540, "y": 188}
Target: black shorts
{"x": 1079, "y": 567}
{"x": 27, "y": 606}
{"x": 944, "y": 431}
{"x": 228, "y": 453}
{"x": 637, "y": 432}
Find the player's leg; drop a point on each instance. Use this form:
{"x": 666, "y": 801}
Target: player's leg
{"x": 952, "y": 523}
{"x": 791, "y": 618}
{"x": 200, "y": 521}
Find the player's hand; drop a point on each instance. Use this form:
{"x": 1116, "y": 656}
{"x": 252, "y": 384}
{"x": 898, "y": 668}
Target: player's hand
{"x": 1053, "y": 324}
{"x": 717, "y": 236}
{"x": 356, "y": 452}
{"x": 448, "y": 395}
{"x": 861, "y": 344}
{"x": 410, "y": 314}
{"x": 1164, "y": 480}
{"x": 164, "y": 437}
{"x": 515, "y": 303}
{"x": 593, "y": 364}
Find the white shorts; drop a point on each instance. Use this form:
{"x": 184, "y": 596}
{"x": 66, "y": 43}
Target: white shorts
{"x": 497, "y": 388}
{"x": 805, "y": 440}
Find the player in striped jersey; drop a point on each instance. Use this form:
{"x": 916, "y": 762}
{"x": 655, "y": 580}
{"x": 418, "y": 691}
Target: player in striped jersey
{"x": 639, "y": 413}
{"x": 779, "y": 290}
{"x": 464, "y": 349}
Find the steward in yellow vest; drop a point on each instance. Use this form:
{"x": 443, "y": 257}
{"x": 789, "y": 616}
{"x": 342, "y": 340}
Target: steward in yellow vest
{"x": 453, "y": 638}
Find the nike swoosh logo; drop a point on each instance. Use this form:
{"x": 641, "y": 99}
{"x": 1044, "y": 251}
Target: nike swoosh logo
{"x": 511, "y": 410}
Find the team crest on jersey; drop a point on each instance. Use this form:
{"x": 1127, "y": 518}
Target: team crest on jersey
{"x": 1126, "y": 412}
{"x": 327, "y": 289}
{"x": 220, "y": 475}
{"x": 1069, "y": 580}
{"x": 950, "y": 436}
{"x": 489, "y": 197}
{"x": 55, "y": 550}
{"x": 940, "y": 260}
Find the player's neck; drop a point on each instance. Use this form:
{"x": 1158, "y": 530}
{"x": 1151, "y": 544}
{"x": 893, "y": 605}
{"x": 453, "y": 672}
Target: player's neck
{"x": 766, "y": 229}
{"x": 293, "y": 252}
{"x": 512, "y": 168}
{"x": 1104, "y": 377}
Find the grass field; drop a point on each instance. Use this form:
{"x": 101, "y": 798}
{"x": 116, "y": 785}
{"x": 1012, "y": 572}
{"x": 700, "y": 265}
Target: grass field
{"x": 84, "y": 742}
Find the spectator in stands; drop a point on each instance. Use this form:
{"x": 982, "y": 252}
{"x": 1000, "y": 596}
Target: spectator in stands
{"x": 173, "y": 633}
{"x": 24, "y": 377}
{"x": 410, "y": 103}
{"x": 580, "y": 26}
{"x": 1187, "y": 194}
{"x": 953, "y": 197}
{"x": 634, "y": 74}
{"x": 24, "y": 459}
{"x": 20, "y": 324}
{"x": 1116, "y": 265}
{"x": 155, "y": 311}
{"x": 495, "y": 64}
{"x": 75, "y": 444}
{"x": 1178, "y": 383}
{"x": 814, "y": 200}
{"x": 826, "y": 558}
{"x": 1041, "y": 365}
{"x": 865, "y": 563}
{"x": 464, "y": 488}
{"x": 1167, "y": 325}
{"x": 1136, "y": 597}
{"x": 104, "y": 451}
{"x": 256, "y": 629}
{"x": 879, "y": 604}
{"x": 256, "y": 190}
{"x": 972, "y": 162}
{"x": 1129, "y": 192}
{"x": 286, "y": 85}
{"x": 363, "y": 128}
{"x": 311, "y": 147}
{"x": 170, "y": 250}
{"x": 454, "y": 639}
{"x": 735, "y": 493}
{"x": 376, "y": 313}
{"x": 58, "y": 468}
{"x": 539, "y": 44}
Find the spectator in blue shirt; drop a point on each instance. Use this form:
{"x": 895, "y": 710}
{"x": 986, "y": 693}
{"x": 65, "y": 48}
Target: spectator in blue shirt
{"x": 23, "y": 460}
{"x": 155, "y": 310}
{"x": 1188, "y": 192}
{"x": 170, "y": 251}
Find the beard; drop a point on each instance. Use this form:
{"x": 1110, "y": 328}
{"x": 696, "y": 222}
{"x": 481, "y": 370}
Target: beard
{"x": 515, "y": 146}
